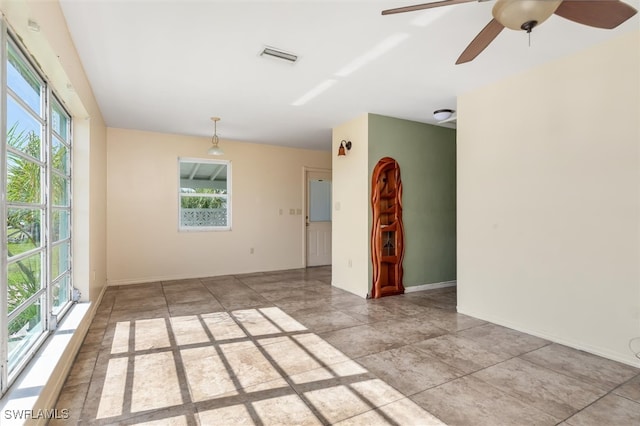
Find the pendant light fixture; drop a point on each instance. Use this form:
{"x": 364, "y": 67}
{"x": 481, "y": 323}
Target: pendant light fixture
{"x": 215, "y": 149}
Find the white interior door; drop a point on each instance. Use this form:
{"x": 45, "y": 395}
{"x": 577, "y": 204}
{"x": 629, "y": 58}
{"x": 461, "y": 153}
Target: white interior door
{"x": 318, "y": 218}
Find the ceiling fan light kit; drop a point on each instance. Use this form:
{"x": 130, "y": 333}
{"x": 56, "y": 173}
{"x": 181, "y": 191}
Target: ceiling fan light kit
{"x": 524, "y": 15}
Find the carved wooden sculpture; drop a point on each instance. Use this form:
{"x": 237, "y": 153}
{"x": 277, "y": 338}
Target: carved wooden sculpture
{"x": 387, "y": 232}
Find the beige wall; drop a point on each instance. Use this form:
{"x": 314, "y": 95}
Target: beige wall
{"x": 549, "y": 200}
{"x": 144, "y": 243}
{"x": 350, "y": 237}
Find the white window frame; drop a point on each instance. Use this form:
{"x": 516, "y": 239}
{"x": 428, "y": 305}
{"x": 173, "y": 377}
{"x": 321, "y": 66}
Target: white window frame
{"x": 227, "y": 196}
{"x": 49, "y": 321}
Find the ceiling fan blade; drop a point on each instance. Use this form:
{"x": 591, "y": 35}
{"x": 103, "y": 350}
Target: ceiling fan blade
{"x": 606, "y": 14}
{"x": 482, "y": 40}
{"x": 424, "y": 6}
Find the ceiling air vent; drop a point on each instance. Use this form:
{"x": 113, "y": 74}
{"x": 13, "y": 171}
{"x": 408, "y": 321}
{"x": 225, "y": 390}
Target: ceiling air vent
{"x": 279, "y": 54}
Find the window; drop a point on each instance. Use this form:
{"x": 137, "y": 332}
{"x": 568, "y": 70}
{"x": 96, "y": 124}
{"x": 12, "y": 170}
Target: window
{"x": 36, "y": 183}
{"x": 205, "y": 194}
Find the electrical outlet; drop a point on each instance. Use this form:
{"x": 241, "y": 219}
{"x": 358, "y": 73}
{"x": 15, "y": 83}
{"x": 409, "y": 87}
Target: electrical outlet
{"x": 251, "y": 250}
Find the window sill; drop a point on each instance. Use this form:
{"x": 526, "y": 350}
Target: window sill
{"x": 204, "y": 228}
{"x": 36, "y": 389}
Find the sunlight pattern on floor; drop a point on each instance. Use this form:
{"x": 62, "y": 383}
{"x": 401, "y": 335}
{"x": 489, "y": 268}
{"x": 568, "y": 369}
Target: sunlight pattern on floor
{"x": 249, "y": 366}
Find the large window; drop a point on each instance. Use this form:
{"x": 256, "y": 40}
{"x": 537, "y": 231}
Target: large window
{"x": 36, "y": 184}
{"x": 204, "y": 194}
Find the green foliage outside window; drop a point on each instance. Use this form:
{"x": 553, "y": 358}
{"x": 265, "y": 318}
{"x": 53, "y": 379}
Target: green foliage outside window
{"x": 205, "y": 202}
{"x": 23, "y": 224}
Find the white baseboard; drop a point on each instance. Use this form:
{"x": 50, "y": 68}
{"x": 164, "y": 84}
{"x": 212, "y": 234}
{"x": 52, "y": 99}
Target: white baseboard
{"x": 603, "y": 352}
{"x": 339, "y": 286}
{"x": 159, "y": 278}
{"x": 431, "y": 286}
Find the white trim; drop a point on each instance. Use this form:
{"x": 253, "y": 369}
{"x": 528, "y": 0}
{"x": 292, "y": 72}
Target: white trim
{"x": 53, "y": 361}
{"x": 603, "y": 352}
{"x": 39, "y": 384}
{"x": 228, "y": 196}
{"x": 147, "y": 280}
{"x": 48, "y": 98}
{"x": 336, "y": 285}
{"x": 159, "y": 278}
{"x": 431, "y": 286}
{"x": 4, "y": 247}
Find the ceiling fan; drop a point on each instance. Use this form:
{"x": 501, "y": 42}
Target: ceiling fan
{"x": 526, "y": 14}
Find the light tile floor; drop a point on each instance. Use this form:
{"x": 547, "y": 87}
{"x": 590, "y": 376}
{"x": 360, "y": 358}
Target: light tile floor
{"x": 286, "y": 348}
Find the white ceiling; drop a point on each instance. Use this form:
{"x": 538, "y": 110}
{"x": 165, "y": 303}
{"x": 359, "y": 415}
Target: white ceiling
{"x": 168, "y": 66}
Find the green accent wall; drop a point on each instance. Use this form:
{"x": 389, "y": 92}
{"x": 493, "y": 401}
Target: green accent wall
{"x": 427, "y": 158}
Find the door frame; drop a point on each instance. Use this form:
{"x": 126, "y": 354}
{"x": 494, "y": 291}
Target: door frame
{"x": 305, "y": 207}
